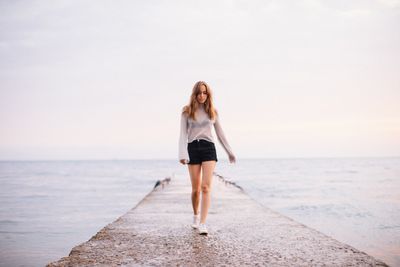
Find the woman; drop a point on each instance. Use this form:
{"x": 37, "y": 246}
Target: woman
{"x": 197, "y": 149}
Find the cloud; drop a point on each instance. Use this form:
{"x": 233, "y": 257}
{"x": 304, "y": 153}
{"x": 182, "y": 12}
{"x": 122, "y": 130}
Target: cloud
{"x": 357, "y": 12}
{"x": 390, "y": 3}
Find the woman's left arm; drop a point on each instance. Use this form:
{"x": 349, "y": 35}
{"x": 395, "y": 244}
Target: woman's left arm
{"x": 222, "y": 139}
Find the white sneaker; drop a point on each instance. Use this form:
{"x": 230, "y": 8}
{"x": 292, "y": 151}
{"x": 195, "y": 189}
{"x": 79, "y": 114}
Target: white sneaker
{"x": 203, "y": 229}
{"x": 196, "y": 221}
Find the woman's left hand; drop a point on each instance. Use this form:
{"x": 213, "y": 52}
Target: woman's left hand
{"x": 232, "y": 158}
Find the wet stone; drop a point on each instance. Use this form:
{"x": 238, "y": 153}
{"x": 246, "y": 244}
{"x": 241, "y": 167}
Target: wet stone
{"x": 158, "y": 232}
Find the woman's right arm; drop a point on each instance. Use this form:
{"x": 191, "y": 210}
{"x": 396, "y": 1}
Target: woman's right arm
{"x": 183, "y": 138}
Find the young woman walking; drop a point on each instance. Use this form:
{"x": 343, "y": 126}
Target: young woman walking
{"x": 197, "y": 148}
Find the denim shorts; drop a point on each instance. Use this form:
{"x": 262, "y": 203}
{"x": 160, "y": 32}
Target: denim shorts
{"x": 201, "y": 150}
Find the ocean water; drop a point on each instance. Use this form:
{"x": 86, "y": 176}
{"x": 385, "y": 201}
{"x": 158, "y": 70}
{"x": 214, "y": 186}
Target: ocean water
{"x": 48, "y": 207}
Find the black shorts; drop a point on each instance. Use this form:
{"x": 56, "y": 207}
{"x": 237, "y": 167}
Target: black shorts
{"x": 201, "y": 150}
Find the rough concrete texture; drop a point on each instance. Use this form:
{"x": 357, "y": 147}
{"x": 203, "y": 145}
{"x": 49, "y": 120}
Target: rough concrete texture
{"x": 242, "y": 232}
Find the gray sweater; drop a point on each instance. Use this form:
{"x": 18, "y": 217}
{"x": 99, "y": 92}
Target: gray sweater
{"x": 200, "y": 129}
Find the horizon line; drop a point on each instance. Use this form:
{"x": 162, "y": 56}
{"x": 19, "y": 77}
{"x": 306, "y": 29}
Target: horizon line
{"x": 222, "y": 159}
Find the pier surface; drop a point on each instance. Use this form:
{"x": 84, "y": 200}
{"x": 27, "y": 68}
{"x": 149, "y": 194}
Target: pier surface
{"x": 242, "y": 232}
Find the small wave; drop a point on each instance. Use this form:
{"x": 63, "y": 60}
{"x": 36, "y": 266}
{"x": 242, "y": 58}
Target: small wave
{"x": 8, "y": 222}
{"x": 34, "y": 196}
{"x": 346, "y": 211}
{"x": 340, "y": 181}
{"x": 389, "y": 226}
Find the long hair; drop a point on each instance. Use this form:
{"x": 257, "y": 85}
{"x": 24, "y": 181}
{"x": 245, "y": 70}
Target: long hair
{"x": 193, "y": 105}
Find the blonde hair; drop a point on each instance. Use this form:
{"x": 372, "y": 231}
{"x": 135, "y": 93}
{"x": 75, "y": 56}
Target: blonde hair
{"x": 193, "y": 105}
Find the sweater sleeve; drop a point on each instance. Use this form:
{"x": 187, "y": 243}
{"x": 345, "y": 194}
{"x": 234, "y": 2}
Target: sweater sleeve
{"x": 221, "y": 136}
{"x": 183, "y": 139}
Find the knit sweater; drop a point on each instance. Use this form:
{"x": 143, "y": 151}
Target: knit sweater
{"x": 200, "y": 129}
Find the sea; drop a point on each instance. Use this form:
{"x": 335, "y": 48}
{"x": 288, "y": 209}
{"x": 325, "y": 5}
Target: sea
{"x": 48, "y": 207}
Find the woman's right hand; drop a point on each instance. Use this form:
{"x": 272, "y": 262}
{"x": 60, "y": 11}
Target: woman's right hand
{"x": 183, "y": 161}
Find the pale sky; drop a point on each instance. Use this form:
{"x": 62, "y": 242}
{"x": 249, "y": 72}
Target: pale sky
{"x": 107, "y": 79}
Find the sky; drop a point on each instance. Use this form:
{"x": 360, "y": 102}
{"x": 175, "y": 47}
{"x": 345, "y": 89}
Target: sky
{"x": 108, "y": 79}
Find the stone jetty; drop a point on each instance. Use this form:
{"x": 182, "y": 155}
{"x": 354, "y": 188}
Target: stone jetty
{"x": 242, "y": 232}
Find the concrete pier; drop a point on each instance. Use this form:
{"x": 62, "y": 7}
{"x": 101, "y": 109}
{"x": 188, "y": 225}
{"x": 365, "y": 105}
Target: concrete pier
{"x": 242, "y": 232}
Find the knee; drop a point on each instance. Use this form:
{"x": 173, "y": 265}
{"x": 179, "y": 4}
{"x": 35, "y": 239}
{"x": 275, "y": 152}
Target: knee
{"x": 205, "y": 189}
{"x": 196, "y": 191}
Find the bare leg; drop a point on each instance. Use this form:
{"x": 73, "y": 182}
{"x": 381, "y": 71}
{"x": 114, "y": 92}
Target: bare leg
{"x": 208, "y": 169}
{"x": 195, "y": 177}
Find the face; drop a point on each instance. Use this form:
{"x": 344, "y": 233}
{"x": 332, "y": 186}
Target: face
{"x": 202, "y": 95}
